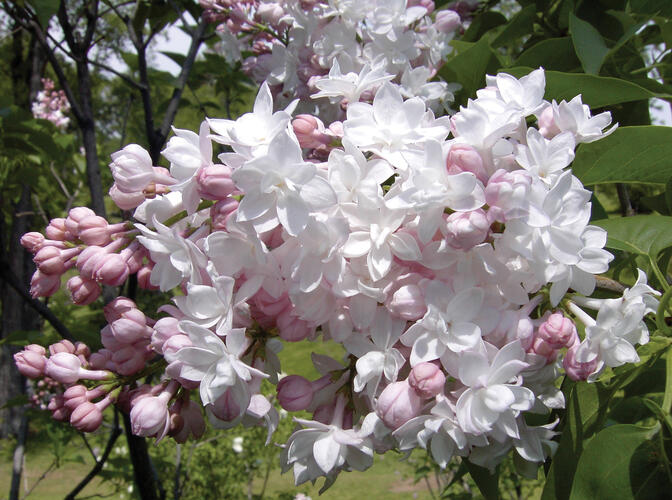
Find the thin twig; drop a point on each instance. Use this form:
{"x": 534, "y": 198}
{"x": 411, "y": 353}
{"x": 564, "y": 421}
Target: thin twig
{"x": 86, "y": 442}
{"x": 39, "y": 479}
{"x": 116, "y": 431}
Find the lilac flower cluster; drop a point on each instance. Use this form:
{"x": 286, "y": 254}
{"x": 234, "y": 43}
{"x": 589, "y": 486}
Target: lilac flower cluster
{"x": 51, "y": 105}
{"x": 451, "y": 257}
{"x": 341, "y": 50}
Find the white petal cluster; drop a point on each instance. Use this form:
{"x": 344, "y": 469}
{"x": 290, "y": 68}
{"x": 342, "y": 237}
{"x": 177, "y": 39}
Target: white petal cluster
{"x": 340, "y": 50}
{"x": 436, "y": 261}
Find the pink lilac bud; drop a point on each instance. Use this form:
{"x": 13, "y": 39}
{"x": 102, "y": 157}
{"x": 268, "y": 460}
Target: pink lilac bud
{"x": 507, "y": 193}
{"x": 99, "y": 360}
{"x": 88, "y": 260}
{"x": 49, "y": 260}
{"x": 82, "y": 350}
{"x": 295, "y": 393}
{"x": 62, "y": 346}
{"x": 126, "y": 201}
{"x": 214, "y": 182}
{"x": 144, "y": 276}
{"x": 44, "y": 285}
{"x": 221, "y": 211}
{"x": 408, "y": 303}
{"x": 149, "y": 416}
{"x": 109, "y": 341}
{"x": 427, "y": 379}
{"x": 93, "y": 230}
{"x": 575, "y": 369}
{"x": 163, "y": 330}
{"x": 542, "y": 348}
{"x": 74, "y": 396}
{"x": 64, "y": 367}
{"x": 128, "y": 360}
{"x": 132, "y": 169}
{"x": 447, "y": 21}
{"x": 32, "y": 241}
{"x": 465, "y": 230}
{"x": 134, "y": 256}
{"x": 117, "y": 307}
{"x": 87, "y": 417}
{"x": 58, "y": 410}
{"x": 558, "y": 331}
{"x": 547, "y": 126}
{"x": 397, "y": 404}
{"x": 75, "y": 215}
{"x": 31, "y": 364}
{"x": 56, "y": 229}
{"x": 310, "y": 132}
{"x": 82, "y": 291}
{"x": 172, "y": 346}
{"x": 111, "y": 269}
{"x": 131, "y": 327}
{"x": 464, "y": 158}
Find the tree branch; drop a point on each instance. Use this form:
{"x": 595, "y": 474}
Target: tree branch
{"x": 9, "y": 277}
{"x": 171, "y": 111}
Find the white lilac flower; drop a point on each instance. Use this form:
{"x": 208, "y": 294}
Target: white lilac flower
{"x": 619, "y": 326}
{"x": 319, "y": 449}
{"x": 281, "y": 188}
{"x": 447, "y": 325}
{"x": 350, "y": 86}
{"x": 176, "y": 258}
{"x": 216, "y": 364}
{"x": 543, "y": 157}
{"x": 251, "y": 134}
{"x": 494, "y": 397}
{"x": 380, "y": 241}
{"x": 575, "y": 117}
{"x": 429, "y": 190}
{"x": 188, "y": 153}
{"x": 525, "y": 95}
{"x": 209, "y": 306}
{"x": 390, "y": 125}
{"x": 376, "y": 356}
{"x": 438, "y": 432}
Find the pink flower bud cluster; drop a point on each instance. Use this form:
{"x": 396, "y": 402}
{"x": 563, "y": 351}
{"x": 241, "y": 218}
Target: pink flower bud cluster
{"x": 102, "y": 253}
{"x": 66, "y": 365}
{"x": 51, "y": 104}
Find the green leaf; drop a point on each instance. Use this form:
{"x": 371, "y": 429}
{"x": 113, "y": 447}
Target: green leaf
{"x": 468, "y": 68}
{"x": 652, "y": 7}
{"x": 44, "y": 9}
{"x": 596, "y": 91}
{"x": 553, "y": 54}
{"x": 621, "y": 462}
{"x": 588, "y": 44}
{"x": 520, "y": 25}
{"x": 586, "y": 412}
{"x": 640, "y": 154}
{"x": 482, "y": 24}
{"x": 646, "y": 235}
{"x": 487, "y": 483}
